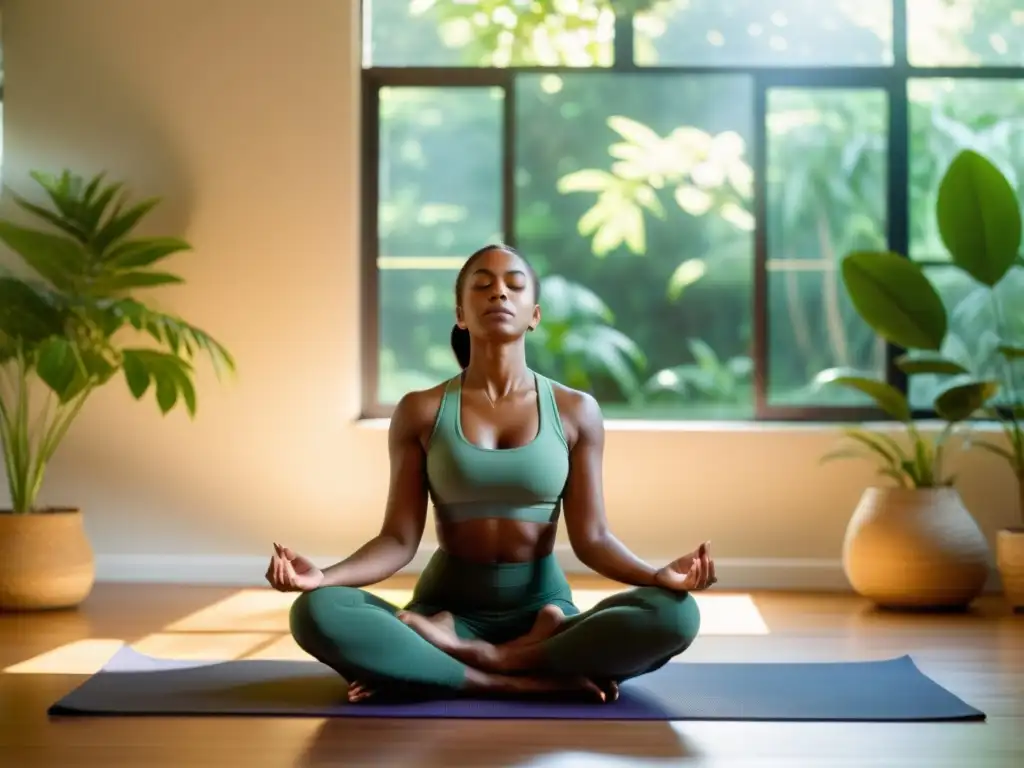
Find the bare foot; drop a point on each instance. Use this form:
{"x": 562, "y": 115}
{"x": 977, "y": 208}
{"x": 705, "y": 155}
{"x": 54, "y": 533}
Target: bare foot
{"x": 549, "y": 618}
{"x": 516, "y": 655}
{"x": 516, "y": 685}
{"x": 357, "y": 692}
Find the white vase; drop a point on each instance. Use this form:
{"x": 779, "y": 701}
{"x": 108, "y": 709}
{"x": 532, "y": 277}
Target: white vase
{"x": 915, "y": 548}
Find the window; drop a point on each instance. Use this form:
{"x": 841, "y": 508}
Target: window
{"x": 685, "y": 175}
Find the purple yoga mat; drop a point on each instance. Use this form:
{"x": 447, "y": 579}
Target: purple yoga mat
{"x": 891, "y": 690}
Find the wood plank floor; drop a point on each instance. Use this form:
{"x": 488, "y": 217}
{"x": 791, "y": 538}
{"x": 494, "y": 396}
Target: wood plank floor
{"x": 979, "y": 656}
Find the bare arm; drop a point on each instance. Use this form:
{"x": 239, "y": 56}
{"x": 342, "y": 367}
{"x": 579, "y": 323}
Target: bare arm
{"x": 592, "y": 541}
{"x": 406, "y": 512}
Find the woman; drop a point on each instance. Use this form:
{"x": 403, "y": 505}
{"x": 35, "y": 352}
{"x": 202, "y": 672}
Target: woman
{"x": 501, "y": 451}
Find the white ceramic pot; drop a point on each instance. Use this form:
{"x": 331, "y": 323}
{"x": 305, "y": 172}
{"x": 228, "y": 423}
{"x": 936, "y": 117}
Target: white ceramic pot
{"x": 1010, "y": 560}
{"x": 915, "y": 548}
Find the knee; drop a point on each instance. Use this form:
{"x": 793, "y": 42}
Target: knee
{"x": 673, "y": 615}
{"x": 313, "y": 616}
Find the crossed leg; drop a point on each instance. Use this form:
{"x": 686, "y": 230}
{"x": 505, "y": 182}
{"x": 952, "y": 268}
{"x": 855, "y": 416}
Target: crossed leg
{"x": 361, "y": 637}
{"x": 625, "y": 635}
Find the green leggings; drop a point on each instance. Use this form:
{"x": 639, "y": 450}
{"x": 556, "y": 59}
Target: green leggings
{"x": 625, "y": 635}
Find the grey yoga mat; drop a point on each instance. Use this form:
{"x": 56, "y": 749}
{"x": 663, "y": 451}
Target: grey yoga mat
{"x": 892, "y": 690}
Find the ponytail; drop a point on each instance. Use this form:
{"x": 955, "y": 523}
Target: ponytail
{"x": 460, "y": 346}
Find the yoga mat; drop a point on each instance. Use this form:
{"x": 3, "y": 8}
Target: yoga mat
{"x": 891, "y": 690}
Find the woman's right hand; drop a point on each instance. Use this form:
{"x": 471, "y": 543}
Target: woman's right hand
{"x": 291, "y": 572}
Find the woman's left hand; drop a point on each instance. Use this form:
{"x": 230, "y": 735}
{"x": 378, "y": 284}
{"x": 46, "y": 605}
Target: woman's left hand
{"x": 690, "y": 573}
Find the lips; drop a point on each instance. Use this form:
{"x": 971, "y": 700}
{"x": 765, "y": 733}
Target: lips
{"x": 505, "y": 312}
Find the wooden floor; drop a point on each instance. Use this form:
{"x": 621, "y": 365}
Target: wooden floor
{"x": 979, "y": 656}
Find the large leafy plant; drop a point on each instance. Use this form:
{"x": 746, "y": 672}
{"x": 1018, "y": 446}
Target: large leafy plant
{"x": 979, "y": 221}
{"x": 73, "y": 320}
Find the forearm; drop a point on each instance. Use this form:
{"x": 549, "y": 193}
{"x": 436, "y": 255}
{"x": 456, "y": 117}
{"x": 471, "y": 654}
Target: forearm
{"x": 380, "y": 558}
{"x": 609, "y": 557}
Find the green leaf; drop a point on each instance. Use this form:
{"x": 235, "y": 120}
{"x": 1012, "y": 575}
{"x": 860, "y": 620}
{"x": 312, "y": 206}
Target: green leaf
{"x": 962, "y": 397}
{"x": 169, "y": 375}
{"x": 979, "y": 217}
{"x": 57, "y": 366}
{"x": 56, "y": 258}
{"x": 886, "y": 396}
{"x": 928, "y": 362}
{"x": 685, "y": 275}
{"x": 25, "y": 312}
{"x": 136, "y": 374}
{"x": 144, "y": 252}
{"x": 884, "y": 447}
{"x": 996, "y": 449}
{"x": 120, "y": 224}
{"x": 128, "y": 280}
{"x": 1011, "y": 352}
{"x": 843, "y": 453}
{"x": 66, "y": 225}
{"x": 896, "y": 299}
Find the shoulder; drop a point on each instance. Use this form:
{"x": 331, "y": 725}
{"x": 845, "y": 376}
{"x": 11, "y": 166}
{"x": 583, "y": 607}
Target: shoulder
{"x": 580, "y": 412}
{"x": 416, "y": 412}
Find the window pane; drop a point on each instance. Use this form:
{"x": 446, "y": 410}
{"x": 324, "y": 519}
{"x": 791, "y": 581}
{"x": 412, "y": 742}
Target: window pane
{"x": 827, "y": 183}
{"x": 765, "y": 33}
{"x": 978, "y": 319}
{"x": 634, "y": 202}
{"x": 961, "y": 33}
{"x": 947, "y": 116}
{"x": 487, "y": 33}
{"x": 440, "y": 199}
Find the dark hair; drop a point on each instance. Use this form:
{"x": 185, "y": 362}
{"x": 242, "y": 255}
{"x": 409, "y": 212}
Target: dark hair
{"x": 460, "y": 336}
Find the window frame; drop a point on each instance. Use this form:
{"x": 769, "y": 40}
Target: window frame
{"x": 893, "y": 78}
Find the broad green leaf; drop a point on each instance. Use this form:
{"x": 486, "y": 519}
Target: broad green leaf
{"x": 25, "y": 314}
{"x": 136, "y": 374}
{"x": 1011, "y": 352}
{"x": 963, "y": 397}
{"x": 56, "y": 258}
{"x": 928, "y": 362}
{"x": 979, "y": 217}
{"x": 896, "y": 299}
{"x": 58, "y": 366}
{"x": 886, "y": 396}
{"x": 143, "y": 253}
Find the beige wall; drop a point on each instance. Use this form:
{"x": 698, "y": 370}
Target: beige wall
{"x": 243, "y": 114}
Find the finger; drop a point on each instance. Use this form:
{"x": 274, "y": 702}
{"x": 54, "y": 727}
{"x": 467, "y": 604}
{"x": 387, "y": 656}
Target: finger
{"x": 289, "y": 575}
{"x": 613, "y": 691}
{"x": 705, "y": 568}
{"x": 698, "y": 573}
{"x": 711, "y": 572}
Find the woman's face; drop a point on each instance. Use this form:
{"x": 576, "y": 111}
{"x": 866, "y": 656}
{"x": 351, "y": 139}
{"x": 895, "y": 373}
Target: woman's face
{"x": 498, "y": 297}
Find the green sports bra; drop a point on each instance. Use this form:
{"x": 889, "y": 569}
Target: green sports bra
{"x": 468, "y": 482}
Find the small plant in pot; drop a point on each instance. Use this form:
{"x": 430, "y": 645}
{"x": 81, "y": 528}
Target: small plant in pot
{"x": 979, "y": 221}
{"x": 70, "y": 322}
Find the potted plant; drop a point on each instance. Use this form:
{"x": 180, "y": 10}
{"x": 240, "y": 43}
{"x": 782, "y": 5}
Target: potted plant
{"x": 979, "y": 221}
{"x": 70, "y": 322}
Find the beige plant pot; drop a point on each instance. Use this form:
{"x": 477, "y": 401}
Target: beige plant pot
{"x": 915, "y": 549}
{"x": 46, "y": 560}
{"x": 1010, "y": 560}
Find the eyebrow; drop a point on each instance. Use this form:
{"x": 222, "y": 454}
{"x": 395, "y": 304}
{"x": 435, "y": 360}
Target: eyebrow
{"x": 485, "y": 271}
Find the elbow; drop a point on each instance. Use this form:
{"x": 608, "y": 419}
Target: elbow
{"x": 588, "y": 548}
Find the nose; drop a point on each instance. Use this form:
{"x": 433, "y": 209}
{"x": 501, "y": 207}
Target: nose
{"x": 499, "y": 292}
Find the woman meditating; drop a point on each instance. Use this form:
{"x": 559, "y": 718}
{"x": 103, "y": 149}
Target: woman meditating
{"x": 502, "y": 452}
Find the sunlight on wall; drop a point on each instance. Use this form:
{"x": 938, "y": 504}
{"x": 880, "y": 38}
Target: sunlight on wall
{"x": 253, "y": 624}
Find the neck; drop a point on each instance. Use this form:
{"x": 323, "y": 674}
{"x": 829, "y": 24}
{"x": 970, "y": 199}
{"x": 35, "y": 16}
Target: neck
{"x": 500, "y": 369}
